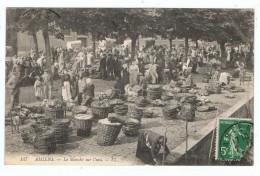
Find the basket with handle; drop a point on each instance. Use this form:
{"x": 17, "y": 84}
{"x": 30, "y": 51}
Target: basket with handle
{"x": 83, "y": 124}
{"x": 100, "y": 112}
{"x": 107, "y": 132}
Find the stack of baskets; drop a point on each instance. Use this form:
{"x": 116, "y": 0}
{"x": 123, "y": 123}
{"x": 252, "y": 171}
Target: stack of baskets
{"x": 99, "y": 112}
{"x": 121, "y": 110}
{"x": 107, "y": 132}
{"x": 154, "y": 92}
{"x": 135, "y": 112}
{"x": 132, "y": 128}
{"x": 187, "y": 111}
{"x": 61, "y": 128}
{"x": 214, "y": 87}
{"x": 45, "y": 142}
{"x": 46, "y": 121}
{"x": 170, "y": 112}
{"x": 167, "y": 95}
{"x": 83, "y": 124}
{"x": 148, "y": 113}
{"x": 28, "y": 135}
{"x": 140, "y": 102}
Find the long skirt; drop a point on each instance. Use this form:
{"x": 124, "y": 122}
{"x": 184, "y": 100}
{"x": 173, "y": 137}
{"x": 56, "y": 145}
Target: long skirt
{"x": 133, "y": 78}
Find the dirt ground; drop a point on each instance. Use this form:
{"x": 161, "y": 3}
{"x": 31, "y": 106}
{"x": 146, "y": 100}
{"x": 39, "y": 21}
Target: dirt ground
{"x": 125, "y": 147}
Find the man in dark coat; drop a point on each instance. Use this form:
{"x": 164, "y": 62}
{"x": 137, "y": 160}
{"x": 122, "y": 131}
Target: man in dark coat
{"x": 110, "y": 67}
{"x": 149, "y": 145}
{"x": 102, "y": 67}
{"x": 117, "y": 67}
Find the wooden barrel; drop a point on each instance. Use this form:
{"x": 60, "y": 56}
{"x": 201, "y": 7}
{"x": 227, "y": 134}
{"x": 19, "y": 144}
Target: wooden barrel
{"x": 83, "y": 124}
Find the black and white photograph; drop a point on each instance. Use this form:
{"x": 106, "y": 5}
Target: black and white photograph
{"x": 129, "y": 86}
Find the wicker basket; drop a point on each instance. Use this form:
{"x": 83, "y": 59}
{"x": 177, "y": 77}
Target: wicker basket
{"x": 135, "y": 112}
{"x": 61, "y": 128}
{"x": 107, "y": 132}
{"x": 121, "y": 110}
{"x": 79, "y": 110}
{"x": 44, "y": 141}
{"x": 187, "y": 112}
{"x": 54, "y": 113}
{"x": 100, "y": 112}
{"x": 132, "y": 128}
{"x": 83, "y": 124}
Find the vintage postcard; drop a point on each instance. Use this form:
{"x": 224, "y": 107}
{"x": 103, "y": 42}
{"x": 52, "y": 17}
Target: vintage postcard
{"x": 129, "y": 86}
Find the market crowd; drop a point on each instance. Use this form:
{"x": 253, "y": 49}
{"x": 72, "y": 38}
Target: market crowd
{"x": 152, "y": 65}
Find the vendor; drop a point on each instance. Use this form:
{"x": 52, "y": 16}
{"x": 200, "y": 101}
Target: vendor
{"x": 149, "y": 145}
{"x": 189, "y": 80}
{"x": 88, "y": 92}
{"x": 224, "y": 78}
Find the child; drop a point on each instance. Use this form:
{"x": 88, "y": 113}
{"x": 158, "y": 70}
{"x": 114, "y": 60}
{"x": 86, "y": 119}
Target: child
{"x": 38, "y": 88}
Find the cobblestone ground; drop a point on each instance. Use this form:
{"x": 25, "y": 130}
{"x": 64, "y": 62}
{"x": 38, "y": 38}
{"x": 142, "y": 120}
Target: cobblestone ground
{"x": 123, "y": 152}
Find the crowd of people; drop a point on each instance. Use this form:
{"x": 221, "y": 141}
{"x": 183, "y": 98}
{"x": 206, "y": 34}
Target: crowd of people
{"x": 76, "y": 67}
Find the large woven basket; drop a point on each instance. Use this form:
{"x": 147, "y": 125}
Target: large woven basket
{"x": 187, "y": 112}
{"x": 100, "y": 112}
{"x": 121, "y": 110}
{"x": 44, "y": 142}
{"x": 54, "y": 113}
{"x": 83, "y": 124}
{"x": 132, "y": 128}
{"x": 107, "y": 132}
{"x": 61, "y": 128}
{"x": 135, "y": 112}
{"x": 79, "y": 110}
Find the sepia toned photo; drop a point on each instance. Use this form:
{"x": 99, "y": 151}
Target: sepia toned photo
{"x": 129, "y": 86}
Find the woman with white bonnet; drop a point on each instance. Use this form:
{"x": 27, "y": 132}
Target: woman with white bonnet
{"x": 88, "y": 92}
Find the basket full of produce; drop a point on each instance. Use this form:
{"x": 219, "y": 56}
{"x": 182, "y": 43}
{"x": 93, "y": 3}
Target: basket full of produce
{"x": 107, "y": 132}
{"x": 100, "y": 109}
{"x": 121, "y": 110}
{"x": 55, "y": 109}
{"x": 170, "y": 112}
{"x": 135, "y": 112}
{"x": 132, "y": 127}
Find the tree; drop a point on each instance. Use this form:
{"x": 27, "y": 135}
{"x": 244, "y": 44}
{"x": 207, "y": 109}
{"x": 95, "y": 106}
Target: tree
{"x": 130, "y": 23}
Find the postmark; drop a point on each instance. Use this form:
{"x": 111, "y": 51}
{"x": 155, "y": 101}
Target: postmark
{"x": 233, "y": 138}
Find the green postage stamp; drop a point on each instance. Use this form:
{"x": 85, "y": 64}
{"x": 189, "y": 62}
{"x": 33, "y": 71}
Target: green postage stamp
{"x": 233, "y": 138}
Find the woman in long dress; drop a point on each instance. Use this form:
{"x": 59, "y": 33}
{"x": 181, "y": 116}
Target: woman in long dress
{"x": 133, "y": 71}
{"x": 38, "y": 88}
{"x": 66, "y": 93}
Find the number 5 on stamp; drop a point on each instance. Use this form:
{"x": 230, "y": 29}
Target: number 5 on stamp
{"x": 233, "y": 138}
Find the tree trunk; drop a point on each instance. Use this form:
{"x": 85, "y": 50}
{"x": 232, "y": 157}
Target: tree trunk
{"x": 133, "y": 44}
{"x": 186, "y": 49}
{"x": 222, "y": 49}
{"x": 47, "y": 46}
{"x": 35, "y": 43}
{"x": 170, "y": 40}
{"x": 94, "y": 45}
{"x": 197, "y": 45}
